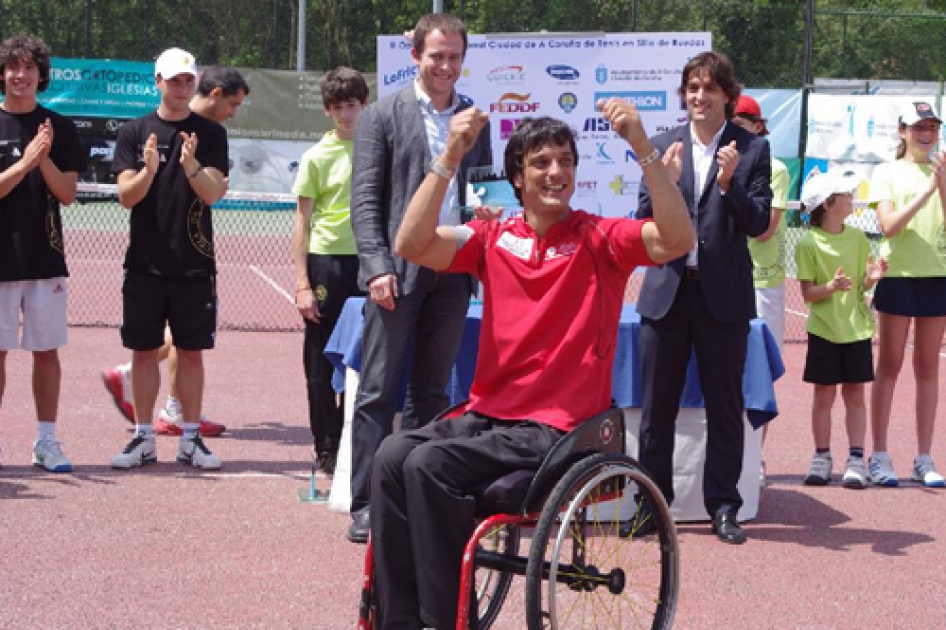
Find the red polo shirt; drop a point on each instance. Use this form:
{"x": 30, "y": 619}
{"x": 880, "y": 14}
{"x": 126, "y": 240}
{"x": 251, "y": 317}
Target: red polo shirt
{"x": 551, "y": 308}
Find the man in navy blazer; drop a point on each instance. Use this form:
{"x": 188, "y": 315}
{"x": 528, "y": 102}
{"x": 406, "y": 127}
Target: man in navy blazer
{"x": 411, "y": 309}
{"x": 704, "y": 301}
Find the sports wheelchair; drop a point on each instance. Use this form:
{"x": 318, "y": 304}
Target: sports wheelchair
{"x": 603, "y": 550}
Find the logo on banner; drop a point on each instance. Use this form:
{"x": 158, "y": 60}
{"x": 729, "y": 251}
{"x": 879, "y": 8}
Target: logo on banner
{"x": 512, "y": 103}
{"x": 601, "y": 156}
{"x": 568, "y": 102}
{"x": 623, "y": 187}
{"x": 401, "y": 76}
{"x": 507, "y": 126}
{"x": 563, "y": 72}
{"x": 596, "y": 129}
{"x": 509, "y": 75}
{"x": 601, "y": 74}
{"x": 644, "y": 101}
{"x": 586, "y": 188}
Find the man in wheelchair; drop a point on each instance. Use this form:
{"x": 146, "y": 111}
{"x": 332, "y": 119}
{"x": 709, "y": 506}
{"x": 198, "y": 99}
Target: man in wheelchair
{"x": 553, "y": 283}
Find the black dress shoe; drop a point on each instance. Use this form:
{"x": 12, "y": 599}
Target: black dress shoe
{"x": 641, "y": 524}
{"x": 358, "y": 532}
{"x": 727, "y": 529}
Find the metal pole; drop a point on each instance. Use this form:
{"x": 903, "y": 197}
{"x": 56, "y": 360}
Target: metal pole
{"x": 300, "y": 45}
{"x": 806, "y": 78}
{"x": 436, "y": 6}
{"x": 88, "y": 28}
{"x": 275, "y": 33}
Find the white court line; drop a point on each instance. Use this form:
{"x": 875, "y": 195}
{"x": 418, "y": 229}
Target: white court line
{"x": 273, "y": 284}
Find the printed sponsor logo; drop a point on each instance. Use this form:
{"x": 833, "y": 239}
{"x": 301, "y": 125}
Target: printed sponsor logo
{"x": 401, "y": 76}
{"x": 507, "y": 126}
{"x": 509, "y": 75}
{"x": 586, "y": 188}
{"x": 623, "y": 187}
{"x": 568, "y": 102}
{"x": 601, "y": 74}
{"x": 107, "y": 153}
{"x": 602, "y": 157}
{"x": 644, "y": 101}
{"x": 518, "y": 247}
{"x": 512, "y": 103}
{"x": 563, "y": 72}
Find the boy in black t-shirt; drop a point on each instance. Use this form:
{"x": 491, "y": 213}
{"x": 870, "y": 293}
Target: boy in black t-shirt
{"x": 40, "y": 161}
{"x": 172, "y": 166}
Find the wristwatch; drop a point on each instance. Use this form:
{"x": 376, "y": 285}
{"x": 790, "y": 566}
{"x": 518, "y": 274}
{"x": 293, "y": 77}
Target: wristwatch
{"x": 440, "y": 170}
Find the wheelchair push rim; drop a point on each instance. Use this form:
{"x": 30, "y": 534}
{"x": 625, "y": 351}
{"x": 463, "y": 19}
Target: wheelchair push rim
{"x": 595, "y": 577}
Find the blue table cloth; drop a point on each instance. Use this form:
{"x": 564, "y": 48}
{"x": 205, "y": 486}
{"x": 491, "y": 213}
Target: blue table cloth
{"x": 763, "y": 362}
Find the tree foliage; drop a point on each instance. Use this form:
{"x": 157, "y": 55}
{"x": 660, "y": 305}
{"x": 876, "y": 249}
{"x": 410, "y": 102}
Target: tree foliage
{"x": 856, "y": 39}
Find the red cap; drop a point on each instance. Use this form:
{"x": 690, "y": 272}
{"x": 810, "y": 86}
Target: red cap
{"x": 749, "y": 108}
{"x": 748, "y": 105}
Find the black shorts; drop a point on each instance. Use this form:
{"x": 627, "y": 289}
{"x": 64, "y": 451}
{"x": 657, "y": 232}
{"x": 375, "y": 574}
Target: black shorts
{"x": 911, "y": 297}
{"x": 829, "y": 363}
{"x": 187, "y": 305}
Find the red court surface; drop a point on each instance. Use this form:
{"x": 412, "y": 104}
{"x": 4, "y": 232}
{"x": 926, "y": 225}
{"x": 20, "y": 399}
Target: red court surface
{"x": 168, "y": 547}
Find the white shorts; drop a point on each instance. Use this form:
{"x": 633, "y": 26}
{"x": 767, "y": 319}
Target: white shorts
{"x": 43, "y": 307}
{"x": 770, "y": 306}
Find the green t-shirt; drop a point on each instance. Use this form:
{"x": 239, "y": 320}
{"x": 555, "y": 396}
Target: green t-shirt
{"x": 919, "y": 249}
{"x": 768, "y": 258}
{"x": 843, "y": 317}
{"x": 325, "y": 176}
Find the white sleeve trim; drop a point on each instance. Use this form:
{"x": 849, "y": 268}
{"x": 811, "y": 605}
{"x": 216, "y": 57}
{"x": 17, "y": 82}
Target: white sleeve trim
{"x": 463, "y": 234}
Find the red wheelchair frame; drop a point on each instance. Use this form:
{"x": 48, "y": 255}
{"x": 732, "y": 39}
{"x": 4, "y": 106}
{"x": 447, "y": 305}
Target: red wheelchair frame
{"x": 566, "y": 500}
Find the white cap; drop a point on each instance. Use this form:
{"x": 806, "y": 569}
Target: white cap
{"x": 173, "y": 62}
{"x": 916, "y": 111}
{"x": 837, "y": 182}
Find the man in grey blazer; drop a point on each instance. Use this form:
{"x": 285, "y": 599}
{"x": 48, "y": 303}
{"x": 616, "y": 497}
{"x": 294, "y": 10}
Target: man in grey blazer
{"x": 413, "y": 314}
{"x": 703, "y": 301}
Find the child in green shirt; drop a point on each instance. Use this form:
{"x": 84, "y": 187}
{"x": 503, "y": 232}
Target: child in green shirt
{"x": 323, "y": 251}
{"x": 835, "y": 269}
{"x": 910, "y": 194}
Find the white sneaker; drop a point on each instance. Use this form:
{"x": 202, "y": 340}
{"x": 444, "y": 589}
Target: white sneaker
{"x": 140, "y": 451}
{"x": 48, "y": 454}
{"x": 193, "y": 451}
{"x": 924, "y": 471}
{"x": 819, "y": 474}
{"x": 855, "y": 473}
{"x": 882, "y": 472}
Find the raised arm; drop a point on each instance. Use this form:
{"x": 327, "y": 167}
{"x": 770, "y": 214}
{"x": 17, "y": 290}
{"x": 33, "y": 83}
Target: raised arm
{"x": 419, "y": 240}
{"x": 207, "y": 182}
{"x": 133, "y": 185}
{"x": 671, "y": 233}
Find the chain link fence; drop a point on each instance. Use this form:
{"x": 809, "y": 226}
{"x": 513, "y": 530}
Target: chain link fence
{"x": 774, "y": 44}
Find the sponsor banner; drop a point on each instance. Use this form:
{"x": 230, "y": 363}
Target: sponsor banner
{"x": 562, "y": 77}
{"x": 281, "y": 118}
{"x": 100, "y": 87}
{"x": 854, "y": 131}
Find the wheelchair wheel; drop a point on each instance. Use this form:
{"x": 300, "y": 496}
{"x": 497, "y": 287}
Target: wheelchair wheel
{"x": 492, "y": 586}
{"x": 597, "y": 564}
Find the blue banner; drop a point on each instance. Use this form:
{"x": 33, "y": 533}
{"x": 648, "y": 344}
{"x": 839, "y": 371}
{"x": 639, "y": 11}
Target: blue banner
{"x": 101, "y": 88}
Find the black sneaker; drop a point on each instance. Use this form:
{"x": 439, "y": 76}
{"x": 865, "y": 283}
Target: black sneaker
{"x": 327, "y": 461}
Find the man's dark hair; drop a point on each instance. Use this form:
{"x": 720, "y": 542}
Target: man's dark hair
{"x": 343, "y": 84}
{"x": 227, "y": 79}
{"x": 532, "y": 134}
{"x": 443, "y": 22}
{"x": 25, "y": 47}
{"x": 721, "y": 71}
